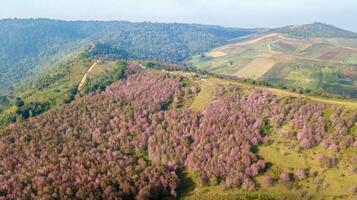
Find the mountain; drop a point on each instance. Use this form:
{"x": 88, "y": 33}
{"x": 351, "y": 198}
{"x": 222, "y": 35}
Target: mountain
{"x": 29, "y": 46}
{"x": 163, "y": 134}
{"x": 315, "y": 57}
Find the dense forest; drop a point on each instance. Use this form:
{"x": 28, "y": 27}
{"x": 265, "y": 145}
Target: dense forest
{"x": 32, "y": 45}
{"x": 164, "y": 42}
{"x": 133, "y": 139}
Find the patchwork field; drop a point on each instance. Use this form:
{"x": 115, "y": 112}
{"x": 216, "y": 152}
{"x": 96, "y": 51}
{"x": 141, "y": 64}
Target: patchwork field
{"x": 256, "y": 68}
{"x": 326, "y": 64}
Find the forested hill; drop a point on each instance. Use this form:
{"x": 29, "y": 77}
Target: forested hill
{"x": 315, "y": 30}
{"x": 163, "y": 42}
{"x": 176, "y": 135}
{"x": 27, "y": 43}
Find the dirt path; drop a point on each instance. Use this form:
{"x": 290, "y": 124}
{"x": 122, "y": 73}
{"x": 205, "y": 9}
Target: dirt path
{"x": 346, "y": 47}
{"x": 80, "y": 86}
{"x": 271, "y": 50}
{"x": 257, "y": 39}
{"x": 142, "y": 66}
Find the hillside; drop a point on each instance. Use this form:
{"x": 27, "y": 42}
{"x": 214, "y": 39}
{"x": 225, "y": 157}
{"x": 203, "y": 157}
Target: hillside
{"x": 112, "y": 110}
{"x": 58, "y": 86}
{"x": 159, "y": 134}
{"x": 28, "y": 46}
{"x": 323, "y": 63}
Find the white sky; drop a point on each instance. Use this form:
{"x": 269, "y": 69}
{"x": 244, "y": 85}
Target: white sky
{"x": 238, "y": 13}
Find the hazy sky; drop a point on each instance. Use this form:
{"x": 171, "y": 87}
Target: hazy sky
{"x": 238, "y": 13}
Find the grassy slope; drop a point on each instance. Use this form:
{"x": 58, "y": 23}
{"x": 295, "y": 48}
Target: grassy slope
{"x": 77, "y": 67}
{"x": 317, "y": 63}
{"x": 208, "y": 86}
{"x": 58, "y": 85}
{"x": 101, "y": 68}
{"x": 336, "y": 182}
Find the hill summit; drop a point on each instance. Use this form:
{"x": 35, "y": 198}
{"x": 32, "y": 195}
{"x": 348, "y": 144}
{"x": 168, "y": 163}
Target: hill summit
{"x": 315, "y": 30}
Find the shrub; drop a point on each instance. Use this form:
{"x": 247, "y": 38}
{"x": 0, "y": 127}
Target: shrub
{"x": 334, "y": 148}
{"x": 288, "y": 133}
{"x": 354, "y": 160}
{"x": 300, "y": 173}
{"x": 355, "y": 144}
{"x": 284, "y": 177}
{"x": 268, "y": 180}
{"x": 326, "y": 161}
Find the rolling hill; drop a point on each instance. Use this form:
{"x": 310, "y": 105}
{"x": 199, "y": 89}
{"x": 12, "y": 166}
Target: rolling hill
{"x": 315, "y": 30}
{"x": 179, "y": 135}
{"x": 315, "y": 56}
{"x": 89, "y": 121}
{"x": 67, "y": 80}
{"x": 30, "y": 46}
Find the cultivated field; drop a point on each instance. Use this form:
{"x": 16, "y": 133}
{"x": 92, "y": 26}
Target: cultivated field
{"x": 256, "y": 68}
{"x": 328, "y": 64}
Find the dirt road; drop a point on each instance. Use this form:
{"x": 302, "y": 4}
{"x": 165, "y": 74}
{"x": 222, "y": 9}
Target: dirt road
{"x": 80, "y": 86}
{"x": 257, "y": 39}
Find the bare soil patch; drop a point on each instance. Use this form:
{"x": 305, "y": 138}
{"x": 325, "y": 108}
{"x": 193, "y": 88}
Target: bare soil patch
{"x": 216, "y": 54}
